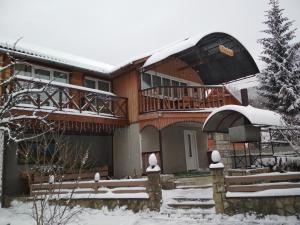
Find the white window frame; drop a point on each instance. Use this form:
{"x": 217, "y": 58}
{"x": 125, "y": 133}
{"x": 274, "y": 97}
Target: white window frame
{"x": 161, "y": 75}
{"x": 51, "y": 70}
{"x": 96, "y": 82}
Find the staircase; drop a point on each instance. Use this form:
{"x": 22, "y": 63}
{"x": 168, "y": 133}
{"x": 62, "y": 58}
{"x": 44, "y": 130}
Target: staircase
{"x": 192, "y": 197}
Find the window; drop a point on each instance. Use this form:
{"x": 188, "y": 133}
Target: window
{"x": 149, "y": 80}
{"x": 90, "y": 83}
{"x": 146, "y": 81}
{"x": 45, "y": 74}
{"x": 156, "y": 81}
{"x": 23, "y": 69}
{"x": 104, "y": 86}
{"x": 97, "y": 84}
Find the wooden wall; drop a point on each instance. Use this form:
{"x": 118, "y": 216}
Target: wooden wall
{"x": 177, "y": 68}
{"x": 127, "y": 85}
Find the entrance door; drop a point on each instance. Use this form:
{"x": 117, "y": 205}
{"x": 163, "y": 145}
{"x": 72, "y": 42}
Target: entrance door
{"x": 191, "y": 151}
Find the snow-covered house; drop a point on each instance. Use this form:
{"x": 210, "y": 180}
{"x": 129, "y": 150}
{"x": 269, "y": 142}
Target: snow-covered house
{"x": 156, "y": 103}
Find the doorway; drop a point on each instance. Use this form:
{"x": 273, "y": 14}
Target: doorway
{"x": 191, "y": 151}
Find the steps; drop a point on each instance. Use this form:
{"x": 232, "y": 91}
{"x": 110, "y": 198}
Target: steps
{"x": 193, "y": 195}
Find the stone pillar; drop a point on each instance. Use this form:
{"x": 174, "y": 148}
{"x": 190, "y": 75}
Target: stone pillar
{"x": 217, "y": 170}
{"x": 154, "y": 186}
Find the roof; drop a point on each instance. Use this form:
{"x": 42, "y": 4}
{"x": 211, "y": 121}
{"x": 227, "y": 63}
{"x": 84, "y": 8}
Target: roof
{"x": 202, "y": 53}
{"x": 38, "y": 53}
{"x": 235, "y": 115}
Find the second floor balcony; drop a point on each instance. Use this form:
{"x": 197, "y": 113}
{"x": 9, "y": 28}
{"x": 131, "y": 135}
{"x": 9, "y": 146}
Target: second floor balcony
{"x": 69, "y": 99}
{"x": 183, "y": 98}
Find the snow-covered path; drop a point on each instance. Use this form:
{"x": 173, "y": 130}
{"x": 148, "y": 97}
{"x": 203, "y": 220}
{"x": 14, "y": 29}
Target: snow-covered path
{"x": 19, "y": 214}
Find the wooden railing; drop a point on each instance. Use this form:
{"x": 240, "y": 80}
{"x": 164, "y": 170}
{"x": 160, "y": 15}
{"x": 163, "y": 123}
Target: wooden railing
{"x": 172, "y": 98}
{"x": 69, "y": 98}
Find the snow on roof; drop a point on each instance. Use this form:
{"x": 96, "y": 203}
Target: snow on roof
{"x": 172, "y": 48}
{"x": 41, "y": 53}
{"x": 258, "y": 117}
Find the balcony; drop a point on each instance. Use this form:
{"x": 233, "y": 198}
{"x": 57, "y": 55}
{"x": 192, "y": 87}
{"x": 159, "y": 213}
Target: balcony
{"x": 70, "y": 99}
{"x": 182, "y": 98}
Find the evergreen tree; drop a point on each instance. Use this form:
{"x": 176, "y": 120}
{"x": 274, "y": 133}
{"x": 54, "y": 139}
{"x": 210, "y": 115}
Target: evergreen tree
{"x": 280, "y": 79}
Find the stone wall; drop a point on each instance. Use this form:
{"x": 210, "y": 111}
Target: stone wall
{"x": 223, "y": 145}
{"x": 285, "y": 206}
{"x": 280, "y": 205}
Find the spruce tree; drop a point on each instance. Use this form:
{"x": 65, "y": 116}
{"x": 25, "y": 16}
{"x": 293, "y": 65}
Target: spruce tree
{"x": 279, "y": 81}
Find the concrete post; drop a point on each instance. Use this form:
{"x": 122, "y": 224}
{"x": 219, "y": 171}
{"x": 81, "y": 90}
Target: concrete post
{"x": 217, "y": 170}
{"x": 154, "y": 186}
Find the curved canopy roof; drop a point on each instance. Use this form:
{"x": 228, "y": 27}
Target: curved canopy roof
{"x": 235, "y": 115}
{"x": 203, "y": 54}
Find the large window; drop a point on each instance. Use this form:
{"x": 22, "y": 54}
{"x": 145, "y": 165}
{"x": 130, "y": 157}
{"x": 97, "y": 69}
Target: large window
{"x": 150, "y": 80}
{"x": 45, "y": 74}
{"x": 41, "y": 72}
{"x": 97, "y": 84}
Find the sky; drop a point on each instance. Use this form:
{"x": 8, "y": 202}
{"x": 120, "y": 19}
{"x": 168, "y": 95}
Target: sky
{"x": 115, "y": 31}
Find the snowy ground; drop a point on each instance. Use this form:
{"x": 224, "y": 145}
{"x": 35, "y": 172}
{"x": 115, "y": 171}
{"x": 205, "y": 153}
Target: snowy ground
{"x": 19, "y": 214}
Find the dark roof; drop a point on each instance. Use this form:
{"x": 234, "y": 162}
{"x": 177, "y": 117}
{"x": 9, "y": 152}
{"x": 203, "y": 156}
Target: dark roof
{"x": 203, "y": 55}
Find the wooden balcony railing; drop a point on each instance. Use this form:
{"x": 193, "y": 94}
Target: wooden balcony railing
{"x": 182, "y": 98}
{"x": 69, "y": 98}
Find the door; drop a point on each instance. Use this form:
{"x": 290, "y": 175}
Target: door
{"x": 191, "y": 151}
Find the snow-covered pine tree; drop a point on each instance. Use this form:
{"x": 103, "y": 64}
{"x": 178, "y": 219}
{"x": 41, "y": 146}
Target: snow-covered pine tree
{"x": 280, "y": 79}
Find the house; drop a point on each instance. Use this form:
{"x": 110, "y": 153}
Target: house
{"x": 156, "y": 103}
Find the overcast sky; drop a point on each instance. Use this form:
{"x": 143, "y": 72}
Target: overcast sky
{"x": 114, "y": 31}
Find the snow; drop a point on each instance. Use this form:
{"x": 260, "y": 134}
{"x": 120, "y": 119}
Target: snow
{"x": 265, "y": 193}
{"x": 172, "y": 49}
{"x": 218, "y": 165}
{"x": 20, "y": 214}
{"x": 152, "y": 160}
{"x": 215, "y": 156}
{"x": 258, "y": 117}
{"x": 107, "y": 195}
{"x": 29, "y": 50}
{"x": 153, "y": 169}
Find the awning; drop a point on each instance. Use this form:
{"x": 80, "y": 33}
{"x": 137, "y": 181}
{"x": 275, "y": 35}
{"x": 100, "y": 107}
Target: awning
{"x": 216, "y": 57}
{"x": 234, "y": 115}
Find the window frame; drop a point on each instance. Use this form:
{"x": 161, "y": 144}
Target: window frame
{"x": 51, "y": 70}
{"x": 96, "y": 82}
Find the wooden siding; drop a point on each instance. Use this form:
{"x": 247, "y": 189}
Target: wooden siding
{"x": 161, "y": 120}
{"x": 177, "y": 68}
{"x": 127, "y": 86}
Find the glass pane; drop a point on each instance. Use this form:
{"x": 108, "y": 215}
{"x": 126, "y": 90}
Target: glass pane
{"x": 60, "y": 77}
{"x": 23, "y": 69}
{"x": 42, "y": 74}
{"x": 184, "y": 91}
{"x": 167, "y": 90}
{"x": 146, "y": 81}
{"x": 103, "y": 86}
{"x": 90, "y": 84}
{"x": 175, "y": 88}
{"x": 156, "y": 81}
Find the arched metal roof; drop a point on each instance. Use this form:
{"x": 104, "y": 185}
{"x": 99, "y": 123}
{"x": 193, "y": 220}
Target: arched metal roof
{"x": 234, "y": 115}
{"x": 203, "y": 55}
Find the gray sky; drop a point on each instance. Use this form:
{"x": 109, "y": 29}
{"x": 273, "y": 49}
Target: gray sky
{"x": 114, "y": 31}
